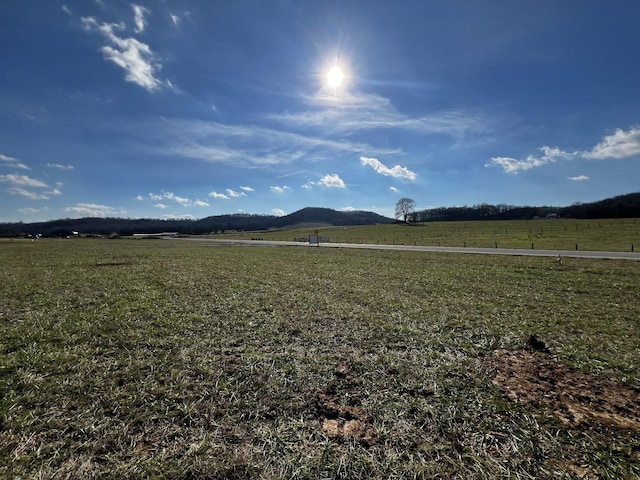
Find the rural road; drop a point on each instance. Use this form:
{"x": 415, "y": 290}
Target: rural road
{"x": 418, "y": 248}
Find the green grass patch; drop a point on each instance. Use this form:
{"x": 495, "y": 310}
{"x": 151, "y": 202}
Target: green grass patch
{"x": 157, "y": 359}
{"x": 545, "y": 234}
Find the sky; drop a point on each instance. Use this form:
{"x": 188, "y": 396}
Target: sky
{"x": 191, "y": 108}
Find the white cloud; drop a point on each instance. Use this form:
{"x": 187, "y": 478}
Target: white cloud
{"x": 185, "y": 216}
{"x": 219, "y": 143}
{"x": 55, "y": 191}
{"x": 60, "y": 167}
{"x": 13, "y": 162}
{"x": 139, "y": 197}
{"x": 247, "y": 189}
{"x": 217, "y": 195}
{"x": 332, "y": 181}
{"x": 579, "y": 178}
{"x": 29, "y": 210}
{"x": 200, "y": 203}
{"x": 619, "y": 145}
{"x": 360, "y": 111}
{"x": 161, "y": 206}
{"x": 394, "y": 189}
{"x": 278, "y": 189}
{"x": 174, "y": 18}
{"x": 94, "y": 210}
{"x": 66, "y": 10}
{"x": 22, "y": 180}
{"x": 348, "y": 209}
{"x": 278, "y": 212}
{"x": 139, "y": 12}
{"x": 396, "y": 171}
{"x": 512, "y": 165}
{"x": 136, "y": 58}
{"x": 185, "y": 202}
{"x": 27, "y": 194}
{"x": 234, "y": 194}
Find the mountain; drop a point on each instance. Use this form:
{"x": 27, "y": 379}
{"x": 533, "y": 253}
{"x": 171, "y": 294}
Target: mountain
{"x": 213, "y": 224}
{"x": 327, "y": 216}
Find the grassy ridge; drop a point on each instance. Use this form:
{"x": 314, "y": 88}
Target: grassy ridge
{"x": 150, "y": 359}
{"x": 555, "y": 234}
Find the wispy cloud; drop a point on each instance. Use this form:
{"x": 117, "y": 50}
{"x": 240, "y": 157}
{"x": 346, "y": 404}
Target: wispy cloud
{"x": 396, "y": 171}
{"x": 513, "y": 165}
{"x": 622, "y": 144}
{"x": 218, "y": 196}
{"x": 183, "y": 201}
{"x": 278, "y": 212}
{"x": 66, "y": 10}
{"x": 229, "y": 194}
{"x": 234, "y": 194}
{"x": 279, "y": 189}
{"x": 162, "y": 206}
{"x": 579, "y": 178}
{"x": 136, "y": 58}
{"x": 360, "y": 111}
{"x": 60, "y": 167}
{"x": 619, "y": 145}
{"x": 394, "y": 189}
{"x": 27, "y": 193}
{"x": 30, "y": 210}
{"x": 139, "y": 12}
{"x": 94, "y": 210}
{"x": 228, "y": 144}
{"x": 22, "y": 181}
{"x": 12, "y": 162}
{"x": 247, "y": 189}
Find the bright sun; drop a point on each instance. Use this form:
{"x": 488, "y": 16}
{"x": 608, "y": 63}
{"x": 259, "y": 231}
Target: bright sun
{"x": 335, "y": 77}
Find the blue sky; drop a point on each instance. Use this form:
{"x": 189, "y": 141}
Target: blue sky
{"x": 191, "y": 108}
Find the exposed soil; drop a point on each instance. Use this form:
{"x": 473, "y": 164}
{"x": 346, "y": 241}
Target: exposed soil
{"x": 339, "y": 410}
{"x": 574, "y": 397}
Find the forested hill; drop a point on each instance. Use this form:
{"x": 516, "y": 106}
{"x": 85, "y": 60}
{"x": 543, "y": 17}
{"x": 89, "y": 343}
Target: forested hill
{"x": 213, "y": 224}
{"x": 622, "y": 206}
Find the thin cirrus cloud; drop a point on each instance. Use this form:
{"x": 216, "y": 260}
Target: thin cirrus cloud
{"x": 396, "y": 171}
{"x": 215, "y": 142}
{"x": 22, "y": 181}
{"x": 621, "y": 144}
{"x": 230, "y": 193}
{"x": 139, "y": 12}
{"x": 360, "y": 111}
{"x": 94, "y": 210}
{"x": 60, "y": 167}
{"x": 137, "y": 59}
{"x": 12, "y": 162}
{"x": 183, "y": 201}
{"x": 27, "y": 193}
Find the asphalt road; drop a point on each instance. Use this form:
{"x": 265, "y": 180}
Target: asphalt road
{"x": 418, "y": 248}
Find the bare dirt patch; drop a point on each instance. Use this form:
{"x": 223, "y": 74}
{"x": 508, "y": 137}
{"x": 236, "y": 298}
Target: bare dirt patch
{"x": 340, "y": 413}
{"x": 575, "y": 398}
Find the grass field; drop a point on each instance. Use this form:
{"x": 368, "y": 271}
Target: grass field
{"x": 158, "y": 359}
{"x": 556, "y": 234}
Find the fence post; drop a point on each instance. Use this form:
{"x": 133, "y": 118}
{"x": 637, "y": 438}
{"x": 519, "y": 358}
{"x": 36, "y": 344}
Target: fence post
{"x": 576, "y": 247}
{"x": 531, "y": 245}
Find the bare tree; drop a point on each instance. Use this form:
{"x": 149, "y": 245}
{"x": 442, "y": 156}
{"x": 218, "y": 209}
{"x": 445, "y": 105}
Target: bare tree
{"x": 404, "y": 208}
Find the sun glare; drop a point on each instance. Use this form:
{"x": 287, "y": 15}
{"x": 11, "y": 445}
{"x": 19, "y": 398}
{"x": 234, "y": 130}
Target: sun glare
{"x": 335, "y": 77}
